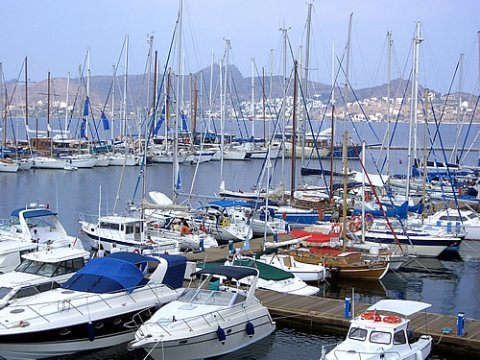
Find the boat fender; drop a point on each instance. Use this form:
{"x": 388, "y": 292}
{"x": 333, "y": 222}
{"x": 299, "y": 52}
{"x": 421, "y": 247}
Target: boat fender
{"x": 91, "y": 331}
{"x": 369, "y": 218}
{"x": 136, "y": 251}
{"x": 371, "y": 316}
{"x": 250, "y": 328}
{"x": 391, "y": 319}
{"x": 221, "y": 335}
{"x": 284, "y": 215}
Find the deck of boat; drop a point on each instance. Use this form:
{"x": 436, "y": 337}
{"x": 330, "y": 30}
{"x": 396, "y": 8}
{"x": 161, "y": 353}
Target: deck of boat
{"x": 313, "y": 313}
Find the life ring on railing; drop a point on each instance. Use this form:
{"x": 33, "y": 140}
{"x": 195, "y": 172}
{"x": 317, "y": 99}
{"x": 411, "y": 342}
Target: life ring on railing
{"x": 355, "y": 224}
{"x": 369, "y": 218}
{"x": 371, "y": 316}
{"x": 336, "y": 228}
{"x": 226, "y": 222}
{"x": 391, "y": 319}
{"x": 136, "y": 251}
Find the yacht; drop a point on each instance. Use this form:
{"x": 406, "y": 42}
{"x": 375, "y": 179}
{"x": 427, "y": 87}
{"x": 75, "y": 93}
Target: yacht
{"x": 218, "y": 317}
{"x": 40, "y": 271}
{"x": 375, "y": 335}
{"x": 99, "y": 306}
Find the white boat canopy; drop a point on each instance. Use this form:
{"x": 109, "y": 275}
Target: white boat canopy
{"x": 403, "y": 307}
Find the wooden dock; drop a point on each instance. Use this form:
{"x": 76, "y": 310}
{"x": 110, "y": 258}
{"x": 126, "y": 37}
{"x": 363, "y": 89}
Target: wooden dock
{"x": 311, "y": 313}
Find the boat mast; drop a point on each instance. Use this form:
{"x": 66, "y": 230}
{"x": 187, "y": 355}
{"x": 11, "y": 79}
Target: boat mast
{"x": 283, "y": 148}
{"x": 252, "y": 107}
{"x": 125, "y": 116}
{"x": 344, "y": 207}
{"x": 177, "y": 107}
{"x": 305, "y": 82}
{"x": 412, "y": 138}
{"x": 112, "y": 113}
{"x": 48, "y": 115}
{"x": 294, "y": 135}
{"x": 347, "y": 68}
{"x": 389, "y": 81}
{"x": 66, "y": 102}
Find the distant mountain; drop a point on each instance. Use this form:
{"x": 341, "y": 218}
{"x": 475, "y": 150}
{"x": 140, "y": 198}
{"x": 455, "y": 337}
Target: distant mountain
{"x": 101, "y": 90}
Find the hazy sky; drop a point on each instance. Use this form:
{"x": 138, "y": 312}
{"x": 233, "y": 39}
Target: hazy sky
{"x": 55, "y": 34}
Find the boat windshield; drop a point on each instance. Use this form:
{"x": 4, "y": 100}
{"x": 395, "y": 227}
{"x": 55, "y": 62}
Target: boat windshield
{"x": 207, "y": 297}
{"x": 4, "y": 291}
{"x": 50, "y": 269}
{"x": 357, "y": 334}
{"x": 380, "y": 337}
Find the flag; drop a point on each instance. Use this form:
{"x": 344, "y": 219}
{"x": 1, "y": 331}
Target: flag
{"x": 105, "y": 122}
{"x": 184, "y": 122}
{"x": 86, "y": 107}
{"x": 83, "y": 129}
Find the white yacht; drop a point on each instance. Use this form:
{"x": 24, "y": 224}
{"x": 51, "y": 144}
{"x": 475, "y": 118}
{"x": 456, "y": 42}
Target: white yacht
{"x": 40, "y": 271}
{"x": 213, "y": 320}
{"x": 100, "y": 306}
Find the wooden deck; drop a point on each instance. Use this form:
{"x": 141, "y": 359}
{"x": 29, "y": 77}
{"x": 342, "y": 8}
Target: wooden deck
{"x": 311, "y": 313}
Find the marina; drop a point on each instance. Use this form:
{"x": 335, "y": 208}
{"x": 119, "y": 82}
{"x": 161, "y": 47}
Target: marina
{"x": 191, "y": 212}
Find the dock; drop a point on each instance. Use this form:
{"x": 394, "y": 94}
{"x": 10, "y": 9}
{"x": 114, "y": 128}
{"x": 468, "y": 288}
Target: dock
{"x": 318, "y": 314}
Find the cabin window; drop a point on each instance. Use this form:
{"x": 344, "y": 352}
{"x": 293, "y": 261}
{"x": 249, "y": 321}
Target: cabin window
{"x": 380, "y": 337}
{"x": 27, "y": 291}
{"x": 399, "y": 338}
{"x": 129, "y": 229}
{"x": 47, "y": 286}
{"x": 4, "y": 291}
{"x": 357, "y": 334}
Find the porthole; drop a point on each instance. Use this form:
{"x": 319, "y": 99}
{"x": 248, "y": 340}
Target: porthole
{"x": 65, "y": 331}
{"x": 99, "y": 325}
{"x": 117, "y": 321}
{"x": 17, "y": 311}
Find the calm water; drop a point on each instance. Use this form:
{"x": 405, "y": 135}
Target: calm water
{"x": 452, "y": 285}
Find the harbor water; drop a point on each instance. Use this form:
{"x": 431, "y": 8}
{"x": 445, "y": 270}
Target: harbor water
{"x": 450, "y": 285}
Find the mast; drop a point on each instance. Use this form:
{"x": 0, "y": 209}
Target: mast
{"x": 344, "y": 207}
{"x": 263, "y": 108}
{"x": 125, "y": 116}
{"x": 112, "y": 114}
{"x": 252, "y": 107}
{"x": 66, "y": 102}
{"x": 284, "y": 101}
{"x": 389, "y": 83}
{"x": 412, "y": 138}
{"x": 305, "y": 82}
{"x": 176, "y": 179}
{"x": 347, "y": 67}
{"x": 210, "y": 104}
{"x": 294, "y": 124}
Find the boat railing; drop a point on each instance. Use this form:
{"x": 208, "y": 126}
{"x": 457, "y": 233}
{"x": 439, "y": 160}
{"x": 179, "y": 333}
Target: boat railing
{"x": 78, "y": 303}
{"x": 351, "y": 354}
{"x": 138, "y": 319}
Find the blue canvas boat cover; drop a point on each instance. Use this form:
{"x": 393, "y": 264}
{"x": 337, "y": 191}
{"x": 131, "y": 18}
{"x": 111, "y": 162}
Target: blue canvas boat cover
{"x": 175, "y": 273}
{"x": 32, "y": 213}
{"x": 108, "y": 274}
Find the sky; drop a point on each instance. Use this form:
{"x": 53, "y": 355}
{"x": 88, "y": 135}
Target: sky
{"x": 55, "y": 35}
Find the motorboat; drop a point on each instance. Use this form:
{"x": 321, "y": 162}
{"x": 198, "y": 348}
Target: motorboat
{"x": 40, "y": 271}
{"x": 128, "y": 232}
{"x": 99, "y": 306}
{"x": 379, "y": 333}
{"x": 275, "y": 279}
{"x": 304, "y": 271}
{"x": 218, "y": 317}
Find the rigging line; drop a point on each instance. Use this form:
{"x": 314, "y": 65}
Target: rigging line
{"x": 239, "y": 108}
{"x": 469, "y": 127}
{"x": 445, "y": 104}
{"x": 155, "y": 110}
{"x": 11, "y": 100}
{"x": 450, "y": 178}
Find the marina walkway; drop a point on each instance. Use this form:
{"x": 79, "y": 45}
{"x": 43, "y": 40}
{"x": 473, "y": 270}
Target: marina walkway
{"x": 312, "y": 313}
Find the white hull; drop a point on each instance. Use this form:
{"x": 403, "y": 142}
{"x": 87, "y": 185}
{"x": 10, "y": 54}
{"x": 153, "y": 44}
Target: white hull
{"x": 102, "y": 160}
{"x": 82, "y": 162}
{"x": 52, "y": 349}
{"x": 208, "y": 345}
{"x": 121, "y": 160}
{"x": 49, "y": 163}
{"x": 9, "y": 166}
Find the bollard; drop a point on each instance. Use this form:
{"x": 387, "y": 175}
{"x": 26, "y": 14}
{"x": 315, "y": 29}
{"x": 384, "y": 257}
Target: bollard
{"x": 275, "y": 237}
{"x": 202, "y": 245}
{"x": 347, "y": 308}
{"x": 231, "y": 249}
{"x": 460, "y": 323}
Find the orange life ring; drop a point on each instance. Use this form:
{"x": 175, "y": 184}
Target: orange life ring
{"x": 370, "y": 315}
{"x": 391, "y": 319}
{"x": 355, "y": 224}
{"x": 369, "y": 218}
{"x": 336, "y": 228}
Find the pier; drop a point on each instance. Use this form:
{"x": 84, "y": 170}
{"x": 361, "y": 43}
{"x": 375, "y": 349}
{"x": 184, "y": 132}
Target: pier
{"x": 318, "y": 314}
